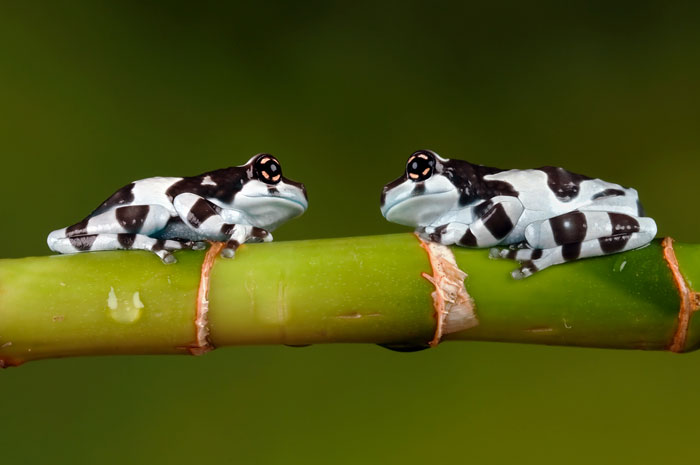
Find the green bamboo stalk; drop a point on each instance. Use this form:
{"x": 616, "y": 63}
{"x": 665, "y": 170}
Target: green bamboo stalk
{"x": 361, "y": 289}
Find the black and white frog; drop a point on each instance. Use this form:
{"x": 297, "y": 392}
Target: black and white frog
{"x": 547, "y": 215}
{"x": 162, "y": 214}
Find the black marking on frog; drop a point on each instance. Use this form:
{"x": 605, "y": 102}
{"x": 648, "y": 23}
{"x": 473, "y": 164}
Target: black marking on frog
{"x": 391, "y": 185}
{"x": 608, "y": 193}
{"x": 123, "y": 196}
{"x": 468, "y": 239}
{"x": 498, "y": 222}
{"x": 564, "y": 184}
{"x": 83, "y": 242}
{"x": 569, "y": 227}
{"x": 469, "y": 179}
{"x": 131, "y": 218}
{"x": 623, "y": 224}
{"x": 418, "y": 189}
{"x": 222, "y": 184}
{"x": 571, "y": 251}
{"x": 78, "y": 229}
{"x": 612, "y": 244}
{"x": 201, "y": 211}
{"x": 126, "y": 240}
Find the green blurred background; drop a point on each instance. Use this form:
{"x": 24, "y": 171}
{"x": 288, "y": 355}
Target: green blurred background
{"x": 94, "y": 95}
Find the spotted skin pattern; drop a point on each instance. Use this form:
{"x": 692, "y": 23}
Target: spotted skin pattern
{"x": 546, "y": 216}
{"x": 163, "y": 214}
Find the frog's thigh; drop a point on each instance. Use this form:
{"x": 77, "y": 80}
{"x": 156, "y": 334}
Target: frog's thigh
{"x": 579, "y": 226}
{"x": 132, "y": 219}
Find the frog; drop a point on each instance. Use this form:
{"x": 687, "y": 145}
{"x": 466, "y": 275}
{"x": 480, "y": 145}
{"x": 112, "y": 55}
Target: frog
{"x": 540, "y": 217}
{"x": 234, "y": 205}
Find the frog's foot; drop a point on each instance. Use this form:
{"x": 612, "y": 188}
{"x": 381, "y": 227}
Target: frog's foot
{"x": 199, "y": 245}
{"x": 526, "y": 257}
{"x": 533, "y": 260}
{"x": 230, "y": 250}
{"x": 259, "y": 235}
{"x": 517, "y": 252}
{"x": 580, "y": 234}
{"x": 240, "y": 233}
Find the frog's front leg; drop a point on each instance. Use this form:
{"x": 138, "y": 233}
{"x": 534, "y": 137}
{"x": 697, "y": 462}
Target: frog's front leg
{"x": 495, "y": 219}
{"x": 208, "y": 219}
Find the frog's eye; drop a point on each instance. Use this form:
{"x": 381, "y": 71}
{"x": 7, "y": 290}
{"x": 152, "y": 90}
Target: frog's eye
{"x": 267, "y": 169}
{"x": 420, "y": 166}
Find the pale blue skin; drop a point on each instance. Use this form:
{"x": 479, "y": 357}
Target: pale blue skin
{"x": 436, "y": 214}
{"x": 257, "y": 208}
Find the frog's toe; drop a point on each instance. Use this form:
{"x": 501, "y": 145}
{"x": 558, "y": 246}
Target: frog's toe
{"x": 167, "y": 258}
{"x": 495, "y": 252}
{"x": 199, "y": 245}
{"x": 228, "y": 253}
{"x": 518, "y": 274}
{"x": 424, "y": 236}
{"x": 527, "y": 269}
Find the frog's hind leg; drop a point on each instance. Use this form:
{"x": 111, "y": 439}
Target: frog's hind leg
{"x": 125, "y": 241}
{"x": 128, "y": 227}
{"x": 131, "y": 219}
{"x": 579, "y": 234}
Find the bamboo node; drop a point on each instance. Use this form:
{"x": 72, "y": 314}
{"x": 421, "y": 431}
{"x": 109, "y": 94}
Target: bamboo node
{"x": 690, "y": 300}
{"x": 454, "y": 307}
{"x": 203, "y": 343}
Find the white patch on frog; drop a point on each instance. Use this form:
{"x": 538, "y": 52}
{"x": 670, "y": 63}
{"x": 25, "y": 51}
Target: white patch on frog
{"x": 207, "y": 181}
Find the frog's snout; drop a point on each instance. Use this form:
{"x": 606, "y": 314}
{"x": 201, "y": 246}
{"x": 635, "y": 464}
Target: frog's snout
{"x": 298, "y": 185}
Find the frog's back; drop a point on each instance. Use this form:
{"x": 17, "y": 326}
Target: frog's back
{"x": 553, "y": 191}
{"x": 149, "y": 191}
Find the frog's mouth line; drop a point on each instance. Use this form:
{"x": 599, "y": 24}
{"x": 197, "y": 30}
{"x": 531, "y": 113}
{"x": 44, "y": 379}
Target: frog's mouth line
{"x": 303, "y": 205}
{"x": 408, "y": 198}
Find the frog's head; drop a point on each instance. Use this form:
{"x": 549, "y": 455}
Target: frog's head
{"x": 267, "y": 198}
{"x": 422, "y": 194}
